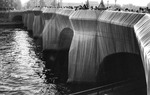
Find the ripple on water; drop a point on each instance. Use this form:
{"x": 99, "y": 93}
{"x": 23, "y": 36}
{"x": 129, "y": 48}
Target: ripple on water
{"x": 20, "y": 67}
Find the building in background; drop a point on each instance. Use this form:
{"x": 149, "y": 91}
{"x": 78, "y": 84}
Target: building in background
{"x": 101, "y": 5}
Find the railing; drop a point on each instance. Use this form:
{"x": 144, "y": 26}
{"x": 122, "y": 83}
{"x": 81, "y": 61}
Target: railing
{"x": 103, "y": 90}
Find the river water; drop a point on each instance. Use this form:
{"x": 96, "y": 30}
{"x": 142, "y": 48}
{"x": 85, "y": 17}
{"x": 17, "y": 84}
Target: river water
{"x": 21, "y": 67}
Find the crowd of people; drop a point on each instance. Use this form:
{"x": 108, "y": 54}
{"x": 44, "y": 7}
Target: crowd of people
{"x": 85, "y": 7}
{"x": 80, "y": 7}
{"x": 140, "y": 10}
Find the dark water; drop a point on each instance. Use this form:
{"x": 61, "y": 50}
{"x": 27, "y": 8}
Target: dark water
{"x": 21, "y": 68}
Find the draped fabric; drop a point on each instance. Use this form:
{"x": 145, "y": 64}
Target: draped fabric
{"x": 49, "y": 35}
{"x": 63, "y": 18}
{"x": 54, "y": 26}
{"x": 42, "y": 15}
{"x": 25, "y": 19}
{"x": 82, "y": 54}
{"x": 97, "y": 36}
{"x": 38, "y": 22}
{"x": 142, "y": 31}
{"x": 37, "y": 26}
{"x": 49, "y": 16}
{"x": 30, "y": 19}
{"x": 64, "y": 28}
{"x": 116, "y": 33}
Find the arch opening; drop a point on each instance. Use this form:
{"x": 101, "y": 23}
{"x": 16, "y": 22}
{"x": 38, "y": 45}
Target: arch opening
{"x": 122, "y": 66}
{"x": 57, "y": 59}
{"x": 65, "y": 38}
{"x": 17, "y": 18}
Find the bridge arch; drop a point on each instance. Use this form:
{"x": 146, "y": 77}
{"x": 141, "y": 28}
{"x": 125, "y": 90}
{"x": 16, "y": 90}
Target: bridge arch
{"x": 64, "y": 43}
{"x": 54, "y": 27}
{"x": 65, "y": 38}
{"x": 57, "y": 38}
{"x": 59, "y": 55}
{"x": 121, "y": 66}
{"x": 17, "y": 18}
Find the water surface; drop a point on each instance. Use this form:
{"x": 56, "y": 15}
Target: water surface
{"x": 21, "y": 68}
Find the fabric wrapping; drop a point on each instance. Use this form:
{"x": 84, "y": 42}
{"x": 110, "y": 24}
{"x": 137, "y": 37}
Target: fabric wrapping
{"x": 63, "y": 18}
{"x": 46, "y": 16}
{"x": 48, "y": 35}
{"x": 30, "y": 20}
{"x": 37, "y": 26}
{"x": 48, "y": 13}
{"x": 97, "y": 35}
{"x": 38, "y": 22}
{"x": 82, "y": 55}
{"x": 94, "y": 39}
{"x": 64, "y": 28}
{"x": 25, "y": 19}
{"x": 48, "y": 38}
{"x": 116, "y": 33}
{"x": 42, "y": 15}
{"x": 142, "y": 31}
{"x": 53, "y": 28}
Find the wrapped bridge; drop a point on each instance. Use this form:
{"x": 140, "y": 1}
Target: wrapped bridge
{"x": 91, "y": 36}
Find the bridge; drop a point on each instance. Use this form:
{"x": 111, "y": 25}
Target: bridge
{"x": 16, "y": 15}
{"x": 90, "y": 36}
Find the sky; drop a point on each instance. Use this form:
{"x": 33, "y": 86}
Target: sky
{"x": 24, "y": 1}
{"x": 121, "y": 2}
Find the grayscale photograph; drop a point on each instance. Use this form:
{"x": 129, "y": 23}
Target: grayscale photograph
{"x": 74, "y": 47}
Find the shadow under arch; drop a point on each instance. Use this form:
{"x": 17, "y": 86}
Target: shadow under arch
{"x": 57, "y": 59}
{"x": 17, "y": 18}
{"x": 121, "y": 66}
{"x": 65, "y": 38}
{"x": 64, "y": 43}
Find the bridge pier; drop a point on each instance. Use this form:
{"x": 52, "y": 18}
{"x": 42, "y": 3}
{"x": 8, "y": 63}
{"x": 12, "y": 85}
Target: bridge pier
{"x": 25, "y": 19}
{"x": 142, "y": 33}
{"x": 56, "y": 41}
{"x": 30, "y": 19}
{"x": 37, "y": 23}
{"x": 82, "y": 55}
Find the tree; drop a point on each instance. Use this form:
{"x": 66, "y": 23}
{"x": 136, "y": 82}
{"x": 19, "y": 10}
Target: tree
{"x": 42, "y": 3}
{"x": 31, "y": 4}
{"x": 17, "y": 4}
{"x": 148, "y": 5}
{"x": 50, "y": 2}
{"x": 5, "y": 4}
{"x": 10, "y": 4}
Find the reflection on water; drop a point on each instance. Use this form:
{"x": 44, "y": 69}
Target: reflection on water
{"x": 20, "y": 66}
